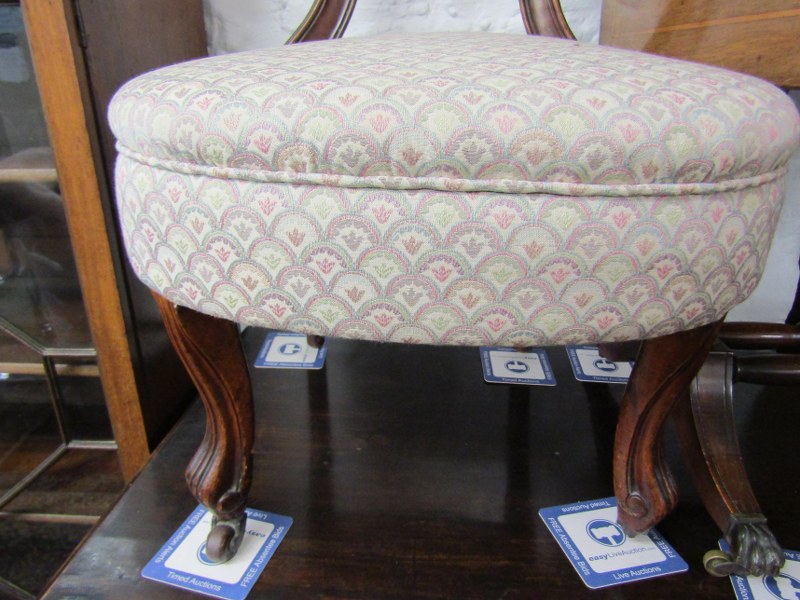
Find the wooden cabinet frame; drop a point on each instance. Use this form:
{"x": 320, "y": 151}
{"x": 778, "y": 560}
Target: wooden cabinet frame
{"x": 82, "y": 51}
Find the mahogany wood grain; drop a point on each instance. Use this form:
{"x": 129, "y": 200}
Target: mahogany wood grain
{"x": 664, "y": 368}
{"x": 753, "y": 36}
{"x": 220, "y": 473}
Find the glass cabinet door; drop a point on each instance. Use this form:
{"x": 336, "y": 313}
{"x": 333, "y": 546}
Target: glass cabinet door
{"x": 40, "y": 299}
{"x": 51, "y": 399}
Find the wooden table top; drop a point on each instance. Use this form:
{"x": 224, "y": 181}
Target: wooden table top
{"x": 409, "y": 477}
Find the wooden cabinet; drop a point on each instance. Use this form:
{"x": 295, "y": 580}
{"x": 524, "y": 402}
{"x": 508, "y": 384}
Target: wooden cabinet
{"x": 83, "y": 50}
{"x": 717, "y": 33}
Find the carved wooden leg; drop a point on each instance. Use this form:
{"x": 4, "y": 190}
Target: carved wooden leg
{"x": 707, "y": 432}
{"x": 665, "y": 366}
{"x": 219, "y": 474}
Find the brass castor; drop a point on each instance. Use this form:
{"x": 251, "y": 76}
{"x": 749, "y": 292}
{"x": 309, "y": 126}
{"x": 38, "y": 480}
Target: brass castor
{"x": 754, "y": 549}
{"x": 720, "y": 564}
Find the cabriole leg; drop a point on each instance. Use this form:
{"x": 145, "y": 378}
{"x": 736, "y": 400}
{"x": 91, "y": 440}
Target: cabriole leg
{"x": 220, "y": 472}
{"x": 664, "y": 368}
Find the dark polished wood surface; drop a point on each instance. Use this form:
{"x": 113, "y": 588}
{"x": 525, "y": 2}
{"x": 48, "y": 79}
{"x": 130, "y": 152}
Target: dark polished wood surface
{"x": 408, "y": 477}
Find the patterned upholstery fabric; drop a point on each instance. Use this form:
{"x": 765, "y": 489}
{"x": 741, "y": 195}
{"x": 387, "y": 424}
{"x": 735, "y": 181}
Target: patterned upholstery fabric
{"x": 459, "y": 188}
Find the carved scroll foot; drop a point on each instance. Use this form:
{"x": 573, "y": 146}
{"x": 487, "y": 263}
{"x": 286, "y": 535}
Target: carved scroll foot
{"x": 707, "y": 432}
{"x": 664, "y": 368}
{"x": 220, "y": 472}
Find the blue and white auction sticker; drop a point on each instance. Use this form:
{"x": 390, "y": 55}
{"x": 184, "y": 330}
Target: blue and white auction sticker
{"x": 783, "y": 586}
{"x": 588, "y": 365}
{"x": 508, "y": 365}
{"x": 182, "y": 561}
{"x": 600, "y": 551}
{"x": 290, "y": 351}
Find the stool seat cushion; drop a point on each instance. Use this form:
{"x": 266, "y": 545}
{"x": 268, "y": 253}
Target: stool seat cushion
{"x": 452, "y": 188}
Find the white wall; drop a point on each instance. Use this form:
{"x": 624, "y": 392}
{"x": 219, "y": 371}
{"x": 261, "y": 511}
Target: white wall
{"x": 246, "y": 24}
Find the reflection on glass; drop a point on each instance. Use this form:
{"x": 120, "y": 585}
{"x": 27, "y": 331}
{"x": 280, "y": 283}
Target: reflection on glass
{"x": 46, "y": 355}
{"x": 39, "y": 292}
{"x": 22, "y": 125}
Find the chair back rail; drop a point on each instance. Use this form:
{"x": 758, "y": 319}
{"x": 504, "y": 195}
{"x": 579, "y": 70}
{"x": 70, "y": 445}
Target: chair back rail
{"x": 325, "y": 20}
{"x": 328, "y": 19}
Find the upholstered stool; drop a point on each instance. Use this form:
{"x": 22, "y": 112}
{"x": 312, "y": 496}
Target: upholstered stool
{"x": 461, "y": 189}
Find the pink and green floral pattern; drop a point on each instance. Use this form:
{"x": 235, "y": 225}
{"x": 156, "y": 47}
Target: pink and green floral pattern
{"x": 457, "y": 189}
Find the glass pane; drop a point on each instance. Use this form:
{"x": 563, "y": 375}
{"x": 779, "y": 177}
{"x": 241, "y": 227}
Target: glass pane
{"x": 22, "y": 125}
{"x": 39, "y": 291}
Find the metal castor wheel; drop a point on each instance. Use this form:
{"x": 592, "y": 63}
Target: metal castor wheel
{"x": 754, "y": 549}
{"x": 224, "y": 539}
{"x": 719, "y": 563}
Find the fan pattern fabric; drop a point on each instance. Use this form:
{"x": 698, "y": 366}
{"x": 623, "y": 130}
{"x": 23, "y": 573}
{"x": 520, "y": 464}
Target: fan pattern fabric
{"x": 457, "y": 189}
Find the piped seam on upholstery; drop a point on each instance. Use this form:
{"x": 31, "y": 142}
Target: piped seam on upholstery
{"x": 497, "y": 186}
